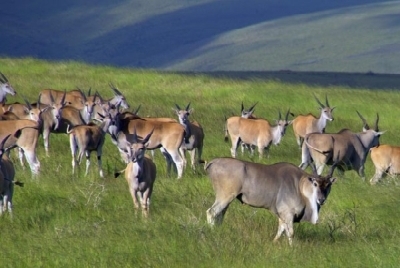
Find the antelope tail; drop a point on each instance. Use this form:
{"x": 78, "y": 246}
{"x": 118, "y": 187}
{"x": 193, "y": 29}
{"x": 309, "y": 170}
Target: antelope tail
{"x": 69, "y": 129}
{"x": 226, "y": 130}
{"x": 19, "y": 183}
{"x": 207, "y": 165}
{"x": 314, "y": 148}
{"x": 117, "y": 173}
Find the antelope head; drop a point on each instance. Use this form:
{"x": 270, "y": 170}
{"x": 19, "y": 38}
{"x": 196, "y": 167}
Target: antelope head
{"x": 283, "y": 123}
{"x": 183, "y": 114}
{"x": 5, "y": 86}
{"x": 138, "y": 147}
{"x": 248, "y": 113}
{"x": 326, "y": 110}
{"x": 119, "y": 98}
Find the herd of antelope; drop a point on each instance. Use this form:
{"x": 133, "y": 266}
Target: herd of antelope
{"x": 88, "y": 118}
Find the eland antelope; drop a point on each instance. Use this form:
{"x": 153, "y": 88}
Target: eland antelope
{"x": 284, "y": 189}
{"x": 24, "y": 135}
{"x": 7, "y": 174}
{"x": 140, "y": 172}
{"x": 168, "y": 136}
{"x": 351, "y": 149}
{"x": 5, "y": 88}
{"x": 194, "y": 136}
{"x": 386, "y": 159}
{"x": 304, "y": 124}
{"x": 257, "y": 132}
{"x": 85, "y": 139}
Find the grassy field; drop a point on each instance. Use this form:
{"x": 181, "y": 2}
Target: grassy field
{"x": 62, "y": 220}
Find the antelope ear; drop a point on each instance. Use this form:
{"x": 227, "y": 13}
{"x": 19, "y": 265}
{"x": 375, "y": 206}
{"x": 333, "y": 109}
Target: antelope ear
{"x": 290, "y": 122}
{"x": 191, "y": 111}
{"x": 333, "y": 180}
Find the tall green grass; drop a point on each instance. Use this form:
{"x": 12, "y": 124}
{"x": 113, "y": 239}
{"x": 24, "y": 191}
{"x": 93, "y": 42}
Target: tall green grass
{"x": 76, "y": 221}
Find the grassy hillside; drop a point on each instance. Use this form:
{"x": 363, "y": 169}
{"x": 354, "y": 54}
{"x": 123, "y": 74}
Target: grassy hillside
{"x": 208, "y": 35}
{"x": 76, "y": 221}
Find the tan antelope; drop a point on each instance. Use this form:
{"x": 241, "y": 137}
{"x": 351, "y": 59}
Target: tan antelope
{"x": 194, "y": 136}
{"x": 50, "y": 119}
{"x": 71, "y": 116}
{"x": 115, "y": 102}
{"x": 29, "y": 113}
{"x": 140, "y": 173}
{"x": 304, "y": 124}
{"x": 24, "y": 134}
{"x": 386, "y": 159}
{"x": 258, "y": 132}
{"x": 5, "y": 88}
{"x": 168, "y": 136}
{"x": 120, "y": 141}
{"x": 17, "y": 108}
{"x": 85, "y": 139}
{"x": 73, "y": 98}
{"x": 351, "y": 149}
{"x": 47, "y": 116}
{"x": 35, "y": 113}
{"x": 7, "y": 175}
{"x": 9, "y": 115}
{"x": 284, "y": 189}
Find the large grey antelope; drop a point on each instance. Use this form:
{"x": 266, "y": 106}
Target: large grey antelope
{"x": 257, "y": 132}
{"x": 351, "y": 149}
{"x": 286, "y": 190}
{"x": 5, "y": 88}
{"x": 7, "y": 174}
{"x": 168, "y": 136}
{"x": 194, "y": 136}
{"x": 304, "y": 124}
{"x": 140, "y": 172}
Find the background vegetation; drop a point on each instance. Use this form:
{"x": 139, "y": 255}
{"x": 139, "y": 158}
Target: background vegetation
{"x": 208, "y": 35}
{"x": 75, "y": 221}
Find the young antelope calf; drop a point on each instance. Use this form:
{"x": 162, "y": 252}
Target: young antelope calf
{"x": 140, "y": 173}
{"x": 87, "y": 138}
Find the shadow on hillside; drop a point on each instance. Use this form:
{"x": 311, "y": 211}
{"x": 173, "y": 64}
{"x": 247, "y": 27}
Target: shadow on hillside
{"x": 324, "y": 79}
{"x": 59, "y": 30}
